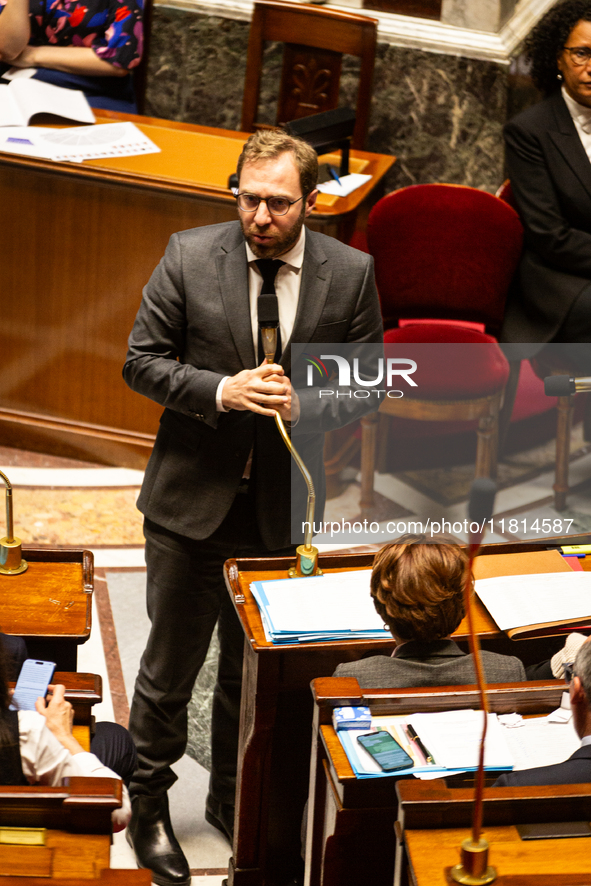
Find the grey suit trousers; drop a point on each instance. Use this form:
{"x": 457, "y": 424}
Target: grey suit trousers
{"x": 186, "y": 597}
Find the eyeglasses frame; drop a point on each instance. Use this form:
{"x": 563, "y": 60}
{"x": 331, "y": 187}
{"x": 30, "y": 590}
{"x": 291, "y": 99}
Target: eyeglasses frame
{"x": 571, "y": 49}
{"x": 265, "y": 200}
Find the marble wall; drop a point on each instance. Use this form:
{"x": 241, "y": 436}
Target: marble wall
{"x": 442, "y": 116}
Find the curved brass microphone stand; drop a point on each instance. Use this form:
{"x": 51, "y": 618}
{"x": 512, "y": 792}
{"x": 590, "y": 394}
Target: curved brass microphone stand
{"x": 306, "y": 555}
{"x": 474, "y": 869}
{"x": 11, "y": 562}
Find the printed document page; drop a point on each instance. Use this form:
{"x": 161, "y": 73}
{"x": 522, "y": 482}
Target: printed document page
{"x": 334, "y": 602}
{"x": 539, "y": 742}
{"x": 516, "y": 601}
{"x": 453, "y": 738}
{"x": 77, "y": 143}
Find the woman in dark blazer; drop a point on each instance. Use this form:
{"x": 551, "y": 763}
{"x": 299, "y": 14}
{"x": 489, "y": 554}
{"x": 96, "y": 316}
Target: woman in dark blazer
{"x": 548, "y": 160}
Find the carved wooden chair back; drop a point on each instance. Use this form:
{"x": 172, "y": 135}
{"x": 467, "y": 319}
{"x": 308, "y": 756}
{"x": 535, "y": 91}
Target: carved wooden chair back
{"x": 315, "y": 40}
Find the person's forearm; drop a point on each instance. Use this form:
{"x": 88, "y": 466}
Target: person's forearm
{"x": 15, "y": 29}
{"x": 69, "y": 59}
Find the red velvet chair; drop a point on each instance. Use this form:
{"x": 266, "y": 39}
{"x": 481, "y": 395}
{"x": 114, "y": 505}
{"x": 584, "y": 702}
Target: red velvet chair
{"x": 443, "y": 253}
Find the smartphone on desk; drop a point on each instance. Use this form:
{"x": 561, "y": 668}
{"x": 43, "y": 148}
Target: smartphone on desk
{"x": 33, "y": 680}
{"x": 385, "y": 750}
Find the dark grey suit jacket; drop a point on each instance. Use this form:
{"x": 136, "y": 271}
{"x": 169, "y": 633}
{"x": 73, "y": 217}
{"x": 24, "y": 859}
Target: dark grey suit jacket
{"x": 193, "y": 327}
{"x": 441, "y": 663}
{"x": 575, "y": 770}
{"x": 550, "y": 177}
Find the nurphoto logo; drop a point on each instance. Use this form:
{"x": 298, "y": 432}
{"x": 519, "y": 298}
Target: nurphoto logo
{"x": 387, "y": 370}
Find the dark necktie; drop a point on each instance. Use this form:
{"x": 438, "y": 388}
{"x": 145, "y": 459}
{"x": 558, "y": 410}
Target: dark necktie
{"x": 268, "y": 268}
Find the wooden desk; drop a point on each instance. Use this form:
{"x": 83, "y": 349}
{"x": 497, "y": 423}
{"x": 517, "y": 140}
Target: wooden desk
{"x": 82, "y": 241}
{"x": 276, "y": 715}
{"x": 78, "y": 821}
{"x": 434, "y": 819}
{"x": 350, "y": 821}
{"x": 50, "y": 604}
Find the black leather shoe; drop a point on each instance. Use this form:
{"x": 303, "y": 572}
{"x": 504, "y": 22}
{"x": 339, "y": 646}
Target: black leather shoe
{"x": 221, "y": 816}
{"x": 151, "y": 837}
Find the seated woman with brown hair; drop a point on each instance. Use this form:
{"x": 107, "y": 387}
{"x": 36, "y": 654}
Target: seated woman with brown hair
{"x": 418, "y": 590}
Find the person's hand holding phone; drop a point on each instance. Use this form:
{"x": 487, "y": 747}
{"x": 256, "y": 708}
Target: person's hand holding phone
{"x": 59, "y": 717}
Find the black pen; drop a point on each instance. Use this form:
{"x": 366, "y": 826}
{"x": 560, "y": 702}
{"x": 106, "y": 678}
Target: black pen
{"x": 424, "y": 750}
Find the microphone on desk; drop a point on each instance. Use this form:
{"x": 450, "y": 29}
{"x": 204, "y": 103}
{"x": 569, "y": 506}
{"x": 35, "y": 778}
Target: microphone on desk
{"x": 474, "y": 867}
{"x": 306, "y": 555}
{"x": 563, "y": 385}
{"x": 11, "y": 562}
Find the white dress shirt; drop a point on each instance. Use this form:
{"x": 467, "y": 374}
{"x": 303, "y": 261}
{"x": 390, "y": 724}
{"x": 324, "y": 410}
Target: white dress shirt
{"x": 46, "y": 761}
{"x": 581, "y": 118}
{"x": 287, "y": 287}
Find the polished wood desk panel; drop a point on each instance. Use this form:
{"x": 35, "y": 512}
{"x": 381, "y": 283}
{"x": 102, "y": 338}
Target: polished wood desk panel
{"x": 433, "y": 819}
{"x": 350, "y": 820}
{"x": 77, "y": 817}
{"x": 83, "y": 240}
{"x": 276, "y": 715}
{"x": 50, "y": 604}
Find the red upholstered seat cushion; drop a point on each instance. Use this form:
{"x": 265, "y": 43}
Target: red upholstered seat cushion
{"x": 453, "y": 363}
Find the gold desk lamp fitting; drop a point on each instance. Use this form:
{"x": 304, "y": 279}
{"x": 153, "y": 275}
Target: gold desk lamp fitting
{"x": 306, "y": 555}
{"x": 11, "y": 562}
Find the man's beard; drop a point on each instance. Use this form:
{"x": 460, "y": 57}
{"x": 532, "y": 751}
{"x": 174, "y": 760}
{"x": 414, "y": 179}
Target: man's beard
{"x": 281, "y": 242}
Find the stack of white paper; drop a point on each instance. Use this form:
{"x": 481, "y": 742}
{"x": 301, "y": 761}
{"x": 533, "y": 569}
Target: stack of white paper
{"x": 336, "y": 606}
{"x": 76, "y": 143}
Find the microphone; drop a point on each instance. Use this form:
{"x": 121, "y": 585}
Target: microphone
{"x": 564, "y": 385}
{"x": 306, "y": 554}
{"x": 268, "y": 314}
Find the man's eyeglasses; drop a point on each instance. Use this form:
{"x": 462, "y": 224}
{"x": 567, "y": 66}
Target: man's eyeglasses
{"x": 275, "y": 205}
{"x": 579, "y": 55}
{"x": 568, "y": 671}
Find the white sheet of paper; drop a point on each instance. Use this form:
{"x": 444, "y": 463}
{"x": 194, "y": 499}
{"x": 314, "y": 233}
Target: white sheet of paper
{"x": 35, "y": 97}
{"x": 333, "y": 602}
{"x": 349, "y": 183}
{"x": 454, "y": 738}
{"x": 10, "y": 113}
{"x": 519, "y": 600}
{"x": 20, "y": 74}
{"x": 77, "y": 143}
{"x": 542, "y": 743}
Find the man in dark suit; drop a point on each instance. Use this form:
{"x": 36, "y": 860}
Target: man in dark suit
{"x": 418, "y": 590}
{"x": 577, "y": 769}
{"x": 218, "y": 483}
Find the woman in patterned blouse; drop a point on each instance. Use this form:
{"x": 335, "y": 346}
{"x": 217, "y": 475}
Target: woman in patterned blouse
{"x": 90, "y": 45}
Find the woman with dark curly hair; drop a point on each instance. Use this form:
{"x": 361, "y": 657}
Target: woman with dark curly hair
{"x": 549, "y": 165}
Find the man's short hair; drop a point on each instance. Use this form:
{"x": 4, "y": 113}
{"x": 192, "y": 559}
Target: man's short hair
{"x": 418, "y": 587}
{"x": 582, "y": 668}
{"x": 268, "y": 144}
